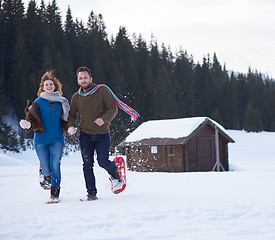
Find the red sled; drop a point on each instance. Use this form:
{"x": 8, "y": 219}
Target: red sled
{"x": 120, "y": 163}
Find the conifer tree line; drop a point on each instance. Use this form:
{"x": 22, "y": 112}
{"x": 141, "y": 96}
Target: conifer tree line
{"x": 146, "y": 76}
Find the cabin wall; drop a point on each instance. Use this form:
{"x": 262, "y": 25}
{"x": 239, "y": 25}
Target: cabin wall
{"x": 162, "y": 159}
{"x": 201, "y": 150}
{"x": 223, "y": 146}
{"x": 198, "y": 154}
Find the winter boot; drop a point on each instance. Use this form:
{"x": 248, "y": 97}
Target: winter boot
{"x": 46, "y": 182}
{"x": 116, "y": 180}
{"x": 54, "y": 195}
{"x": 115, "y": 175}
{"x": 91, "y": 197}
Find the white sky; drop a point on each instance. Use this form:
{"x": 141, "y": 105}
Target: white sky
{"x": 241, "y": 32}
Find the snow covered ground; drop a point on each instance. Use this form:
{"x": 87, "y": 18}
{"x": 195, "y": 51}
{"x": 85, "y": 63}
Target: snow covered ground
{"x": 239, "y": 204}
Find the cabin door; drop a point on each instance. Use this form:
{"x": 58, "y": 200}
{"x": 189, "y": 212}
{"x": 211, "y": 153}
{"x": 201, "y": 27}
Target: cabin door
{"x": 204, "y": 154}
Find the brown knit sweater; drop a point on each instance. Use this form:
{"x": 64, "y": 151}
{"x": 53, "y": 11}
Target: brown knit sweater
{"x": 101, "y": 104}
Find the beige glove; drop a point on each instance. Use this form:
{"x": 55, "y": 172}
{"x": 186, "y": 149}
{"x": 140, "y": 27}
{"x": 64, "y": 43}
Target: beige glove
{"x": 72, "y": 130}
{"x": 25, "y": 124}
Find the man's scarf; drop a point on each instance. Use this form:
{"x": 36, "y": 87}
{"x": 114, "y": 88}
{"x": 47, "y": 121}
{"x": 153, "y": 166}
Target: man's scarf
{"x": 133, "y": 113}
{"x": 56, "y": 97}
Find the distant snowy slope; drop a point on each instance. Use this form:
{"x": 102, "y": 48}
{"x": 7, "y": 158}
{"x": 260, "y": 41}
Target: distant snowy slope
{"x": 6, "y": 160}
{"x": 252, "y": 151}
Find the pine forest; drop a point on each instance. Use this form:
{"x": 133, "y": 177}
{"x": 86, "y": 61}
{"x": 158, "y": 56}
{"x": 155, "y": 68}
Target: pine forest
{"x": 147, "y": 76}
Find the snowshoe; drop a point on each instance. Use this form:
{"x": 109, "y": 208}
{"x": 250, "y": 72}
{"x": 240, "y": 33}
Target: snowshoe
{"x": 118, "y": 179}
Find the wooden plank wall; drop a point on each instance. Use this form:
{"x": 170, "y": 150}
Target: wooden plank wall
{"x": 175, "y": 158}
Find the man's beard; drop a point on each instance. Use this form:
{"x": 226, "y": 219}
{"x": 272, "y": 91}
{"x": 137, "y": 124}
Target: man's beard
{"x": 86, "y": 87}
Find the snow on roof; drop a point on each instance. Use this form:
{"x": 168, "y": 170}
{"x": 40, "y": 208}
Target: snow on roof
{"x": 170, "y": 128}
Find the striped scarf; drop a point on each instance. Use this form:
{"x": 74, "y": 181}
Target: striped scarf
{"x": 133, "y": 113}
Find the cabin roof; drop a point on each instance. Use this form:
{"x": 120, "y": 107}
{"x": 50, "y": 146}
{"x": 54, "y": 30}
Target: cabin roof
{"x": 170, "y": 131}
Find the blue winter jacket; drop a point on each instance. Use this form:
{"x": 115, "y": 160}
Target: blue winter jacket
{"x": 50, "y": 114}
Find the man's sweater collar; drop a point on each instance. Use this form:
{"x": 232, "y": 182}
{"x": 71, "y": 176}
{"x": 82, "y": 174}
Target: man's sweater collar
{"x": 88, "y": 89}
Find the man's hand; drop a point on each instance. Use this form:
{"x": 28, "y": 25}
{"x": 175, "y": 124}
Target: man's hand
{"x": 71, "y": 130}
{"x": 99, "y": 121}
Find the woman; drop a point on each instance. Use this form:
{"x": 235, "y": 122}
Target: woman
{"x": 47, "y": 117}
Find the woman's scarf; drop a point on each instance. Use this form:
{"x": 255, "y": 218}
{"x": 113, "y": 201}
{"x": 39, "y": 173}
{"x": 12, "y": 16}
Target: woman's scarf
{"x": 133, "y": 113}
{"x": 55, "y": 97}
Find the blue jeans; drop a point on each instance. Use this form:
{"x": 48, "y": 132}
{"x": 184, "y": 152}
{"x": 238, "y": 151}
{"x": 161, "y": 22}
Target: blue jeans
{"x": 50, "y": 156}
{"x": 101, "y": 144}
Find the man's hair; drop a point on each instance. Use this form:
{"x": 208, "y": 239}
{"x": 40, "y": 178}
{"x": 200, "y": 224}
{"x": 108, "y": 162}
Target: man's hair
{"x": 83, "y": 69}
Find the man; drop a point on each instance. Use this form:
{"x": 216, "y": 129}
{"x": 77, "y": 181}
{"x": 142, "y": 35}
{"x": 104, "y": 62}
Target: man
{"x": 97, "y": 109}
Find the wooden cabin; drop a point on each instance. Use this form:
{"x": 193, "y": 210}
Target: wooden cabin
{"x": 178, "y": 145}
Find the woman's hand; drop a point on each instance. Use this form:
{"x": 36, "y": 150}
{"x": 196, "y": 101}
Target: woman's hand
{"x": 25, "y": 124}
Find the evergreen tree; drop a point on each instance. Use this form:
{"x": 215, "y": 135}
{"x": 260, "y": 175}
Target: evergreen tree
{"x": 8, "y": 139}
{"x": 241, "y": 79}
{"x": 99, "y": 49}
{"x": 269, "y": 106}
{"x": 184, "y": 75}
{"x": 42, "y": 12}
{"x": 70, "y": 27}
{"x": 12, "y": 17}
{"x": 142, "y": 92}
{"x": 150, "y": 92}
{"x": 252, "y": 119}
{"x": 164, "y": 106}
{"x": 217, "y": 117}
{"x": 206, "y": 90}
{"x": 47, "y": 60}
{"x": 223, "y": 98}
{"x": 20, "y": 77}
{"x": 2, "y": 99}
{"x": 54, "y": 37}
{"x": 198, "y": 81}
{"x": 71, "y": 41}
{"x": 34, "y": 36}
{"x": 234, "y": 102}
{"x": 255, "y": 89}
{"x": 2, "y": 41}
{"x": 80, "y": 51}
{"x": 148, "y": 78}
{"x": 124, "y": 55}
{"x": 97, "y": 26}
{"x": 124, "y": 78}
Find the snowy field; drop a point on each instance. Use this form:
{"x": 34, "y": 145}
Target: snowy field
{"x": 239, "y": 204}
